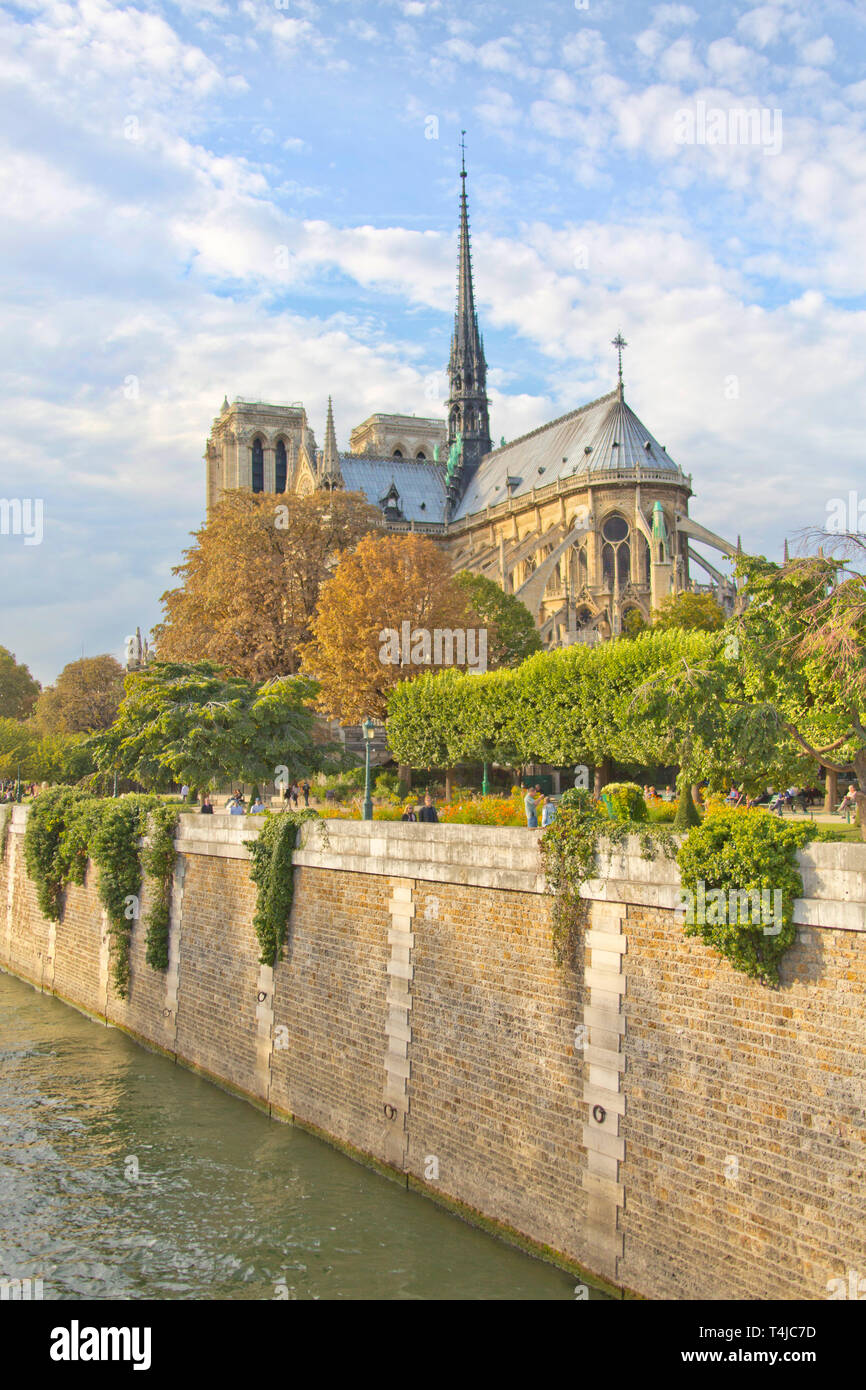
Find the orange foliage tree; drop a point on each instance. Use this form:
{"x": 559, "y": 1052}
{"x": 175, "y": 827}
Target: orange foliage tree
{"x": 251, "y": 581}
{"x": 384, "y": 582}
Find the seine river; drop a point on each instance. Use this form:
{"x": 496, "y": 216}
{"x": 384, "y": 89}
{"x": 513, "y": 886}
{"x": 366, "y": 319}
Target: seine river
{"x": 124, "y": 1176}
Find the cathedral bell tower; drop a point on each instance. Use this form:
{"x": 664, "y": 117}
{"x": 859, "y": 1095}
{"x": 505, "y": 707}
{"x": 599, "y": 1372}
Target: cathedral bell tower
{"x": 468, "y": 413}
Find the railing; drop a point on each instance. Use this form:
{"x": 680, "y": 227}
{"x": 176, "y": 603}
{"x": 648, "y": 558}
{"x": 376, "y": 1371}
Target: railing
{"x": 575, "y": 482}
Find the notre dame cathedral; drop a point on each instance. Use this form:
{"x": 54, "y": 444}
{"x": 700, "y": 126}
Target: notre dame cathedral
{"x": 583, "y": 519}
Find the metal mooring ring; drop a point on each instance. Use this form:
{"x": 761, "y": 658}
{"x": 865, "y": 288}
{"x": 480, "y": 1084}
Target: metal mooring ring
{"x": 390, "y": 1111}
{"x": 599, "y": 1114}
{"x": 262, "y": 995}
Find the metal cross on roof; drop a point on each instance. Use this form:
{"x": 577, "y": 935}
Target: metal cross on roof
{"x": 619, "y": 343}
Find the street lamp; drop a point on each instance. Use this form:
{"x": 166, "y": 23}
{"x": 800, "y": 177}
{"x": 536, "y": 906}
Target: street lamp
{"x": 369, "y": 731}
{"x": 485, "y": 781}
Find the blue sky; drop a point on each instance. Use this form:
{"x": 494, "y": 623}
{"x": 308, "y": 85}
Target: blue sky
{"x": 156, "y": 158}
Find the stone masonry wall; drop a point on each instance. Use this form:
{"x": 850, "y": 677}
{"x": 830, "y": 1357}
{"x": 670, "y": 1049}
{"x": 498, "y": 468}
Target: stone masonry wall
{"x": 644, "y": 1112}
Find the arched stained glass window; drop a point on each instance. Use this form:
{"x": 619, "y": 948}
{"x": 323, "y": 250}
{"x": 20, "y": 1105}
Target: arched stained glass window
{"x": 280, "y": 472}
{"x": 258, "y": 466}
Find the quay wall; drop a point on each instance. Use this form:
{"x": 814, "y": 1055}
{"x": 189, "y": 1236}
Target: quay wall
{"x": 644, "y": 1113}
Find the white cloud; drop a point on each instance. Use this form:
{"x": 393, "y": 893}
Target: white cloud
{"x": 678, "y": 63}
{"x": 172, "y": 258}
{"x": 762, "y": 25}
{"x": 818, "y": 53}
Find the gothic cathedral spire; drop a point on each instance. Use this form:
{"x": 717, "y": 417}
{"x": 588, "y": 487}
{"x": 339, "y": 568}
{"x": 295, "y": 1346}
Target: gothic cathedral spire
{"x": 468, "y": 414}
{"x": 330, "y": 467}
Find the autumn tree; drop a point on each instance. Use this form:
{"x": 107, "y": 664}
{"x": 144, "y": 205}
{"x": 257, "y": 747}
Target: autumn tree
{"x": 511, "y": 632}
{"x": 85, "y": 697}
{"x": 389, "y": 588}
{"x": 250, "y": 582}
{"x": 18, "y": 689}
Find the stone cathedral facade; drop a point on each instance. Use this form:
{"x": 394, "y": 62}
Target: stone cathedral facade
{"x": 583, "y": 519}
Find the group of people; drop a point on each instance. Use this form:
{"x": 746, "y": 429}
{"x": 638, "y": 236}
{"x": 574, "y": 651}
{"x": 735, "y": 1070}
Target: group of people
{"x": 9, "y": 789}
{"x": 294, "y": 792}
{"x": 531, "y": 802}
{"x": 236, "y": 805}
{"x": 427, "y": 812}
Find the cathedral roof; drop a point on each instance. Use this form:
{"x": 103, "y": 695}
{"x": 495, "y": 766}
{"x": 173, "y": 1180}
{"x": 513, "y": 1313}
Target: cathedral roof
{"x": 604, "y": 437}
{"x": 420, "y": 484}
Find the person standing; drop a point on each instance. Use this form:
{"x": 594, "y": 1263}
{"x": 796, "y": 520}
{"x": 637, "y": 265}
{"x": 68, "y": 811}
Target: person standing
{"x": 548, "y": 811}
{"x": 206, "y": 809}
{"x": 428, "y": 810}
{"x": 305, "y": 788}
{"x": 530, "y": 807}
{"x": 409, "y": 814}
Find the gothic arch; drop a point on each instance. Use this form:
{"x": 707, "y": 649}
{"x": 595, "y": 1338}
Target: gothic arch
{"x": 258, "y": 464}
{"x": 281, "y": 464}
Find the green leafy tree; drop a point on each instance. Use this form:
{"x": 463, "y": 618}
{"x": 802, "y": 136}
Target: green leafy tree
{"x": 18, "y": 689}
{"x": 85, "y": 696}
{"x": 19, "y": 747}
{"x": 511, "y": 633}
{"x": 634, "y": 623}
{"x": 800, "y": 645}
{"x": 691, "y": 612}
{"x": 191, "y": 723}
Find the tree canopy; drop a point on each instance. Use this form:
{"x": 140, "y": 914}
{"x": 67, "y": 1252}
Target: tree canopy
{"x": 384, "y": 582}
{"x": 189, "y": 722}
{"x": 18, "y": 689}
{"x": 86, "y": 696}
{"x": 250, "y": 582}
{"x": 53, "y": 757}
{"x": 667, "y": 698}
{"x": 800, "y": 645}
{"x": 511, "y": 632}
{"x": 691, "y": 612}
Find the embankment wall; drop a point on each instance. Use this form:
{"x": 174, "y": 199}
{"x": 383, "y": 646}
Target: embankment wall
{"x": 644, "y": 1113}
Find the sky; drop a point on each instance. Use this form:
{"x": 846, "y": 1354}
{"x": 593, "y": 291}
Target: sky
{"x": 260, "y": 199}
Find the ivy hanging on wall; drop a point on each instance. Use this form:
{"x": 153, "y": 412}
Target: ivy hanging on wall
{"x": 158, "y": 860}
{"x": 738, "y": 870}
{"x": 569, "y": 850}
{"x": 273, "y": 874}
{"x": 67, "y": 827}
{"x": 115, "y": 848}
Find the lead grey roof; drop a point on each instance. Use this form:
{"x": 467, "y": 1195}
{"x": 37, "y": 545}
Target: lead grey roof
{"x": 608, "y": 427}
{"x": 417, "y": 481}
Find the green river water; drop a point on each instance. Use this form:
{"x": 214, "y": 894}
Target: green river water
{"x": 227, "y": 1203}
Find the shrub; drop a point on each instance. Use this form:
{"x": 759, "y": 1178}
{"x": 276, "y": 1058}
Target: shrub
{"x": 625, "y": 801}
{"x": 742, "y": 853}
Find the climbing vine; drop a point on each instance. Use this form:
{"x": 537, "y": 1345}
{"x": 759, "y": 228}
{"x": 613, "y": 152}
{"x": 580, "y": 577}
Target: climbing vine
{"x": 738, "y": 870}
{"x": 115, "y": 848}
{"x": 570, "y": 848}
{"x": 158, "y": 859}
{"x": 740, "y": 877}
{"x": 65, "y": 828}
{"x": 45, "y": 854}
{"x": 273, "y": 874}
